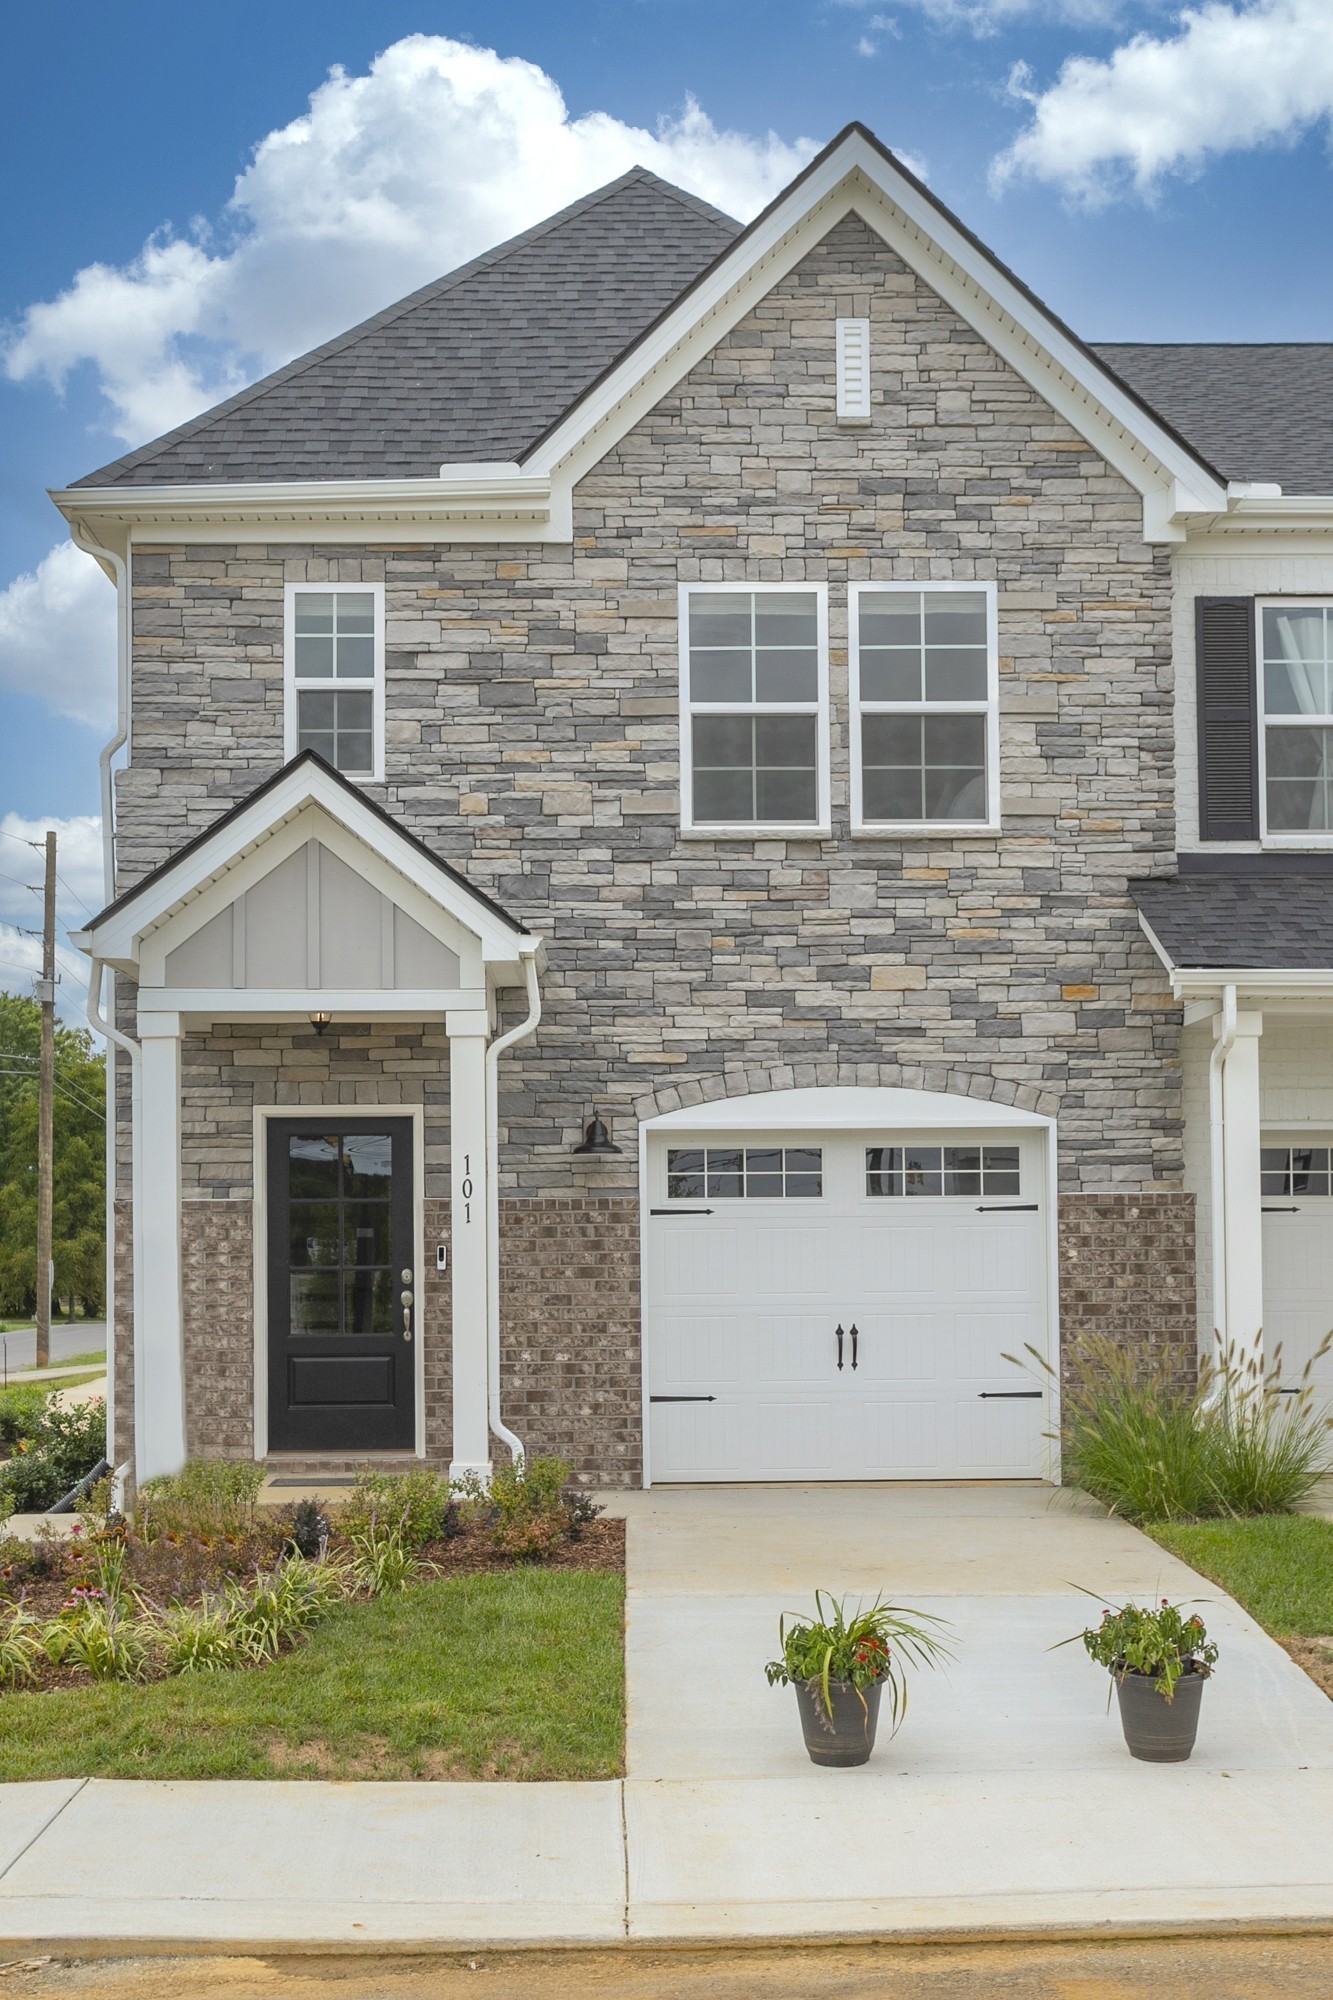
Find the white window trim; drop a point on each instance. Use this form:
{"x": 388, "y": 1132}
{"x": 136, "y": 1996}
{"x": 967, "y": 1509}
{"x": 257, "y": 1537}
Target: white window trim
{"x": 918, "y": 829}
{"x": 290, "y": 684}
{"x": 1309, "y": 838}
{"x": 819, "y": 829}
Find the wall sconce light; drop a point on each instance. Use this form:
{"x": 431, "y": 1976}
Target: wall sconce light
{"x": 596, "y": 1138}
{"x": 319, "y": 1022}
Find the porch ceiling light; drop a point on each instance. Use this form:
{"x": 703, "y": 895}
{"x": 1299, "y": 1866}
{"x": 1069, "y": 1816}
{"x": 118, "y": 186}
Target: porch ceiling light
{"x": 596, "y": 1138}
{"x": 319, "y": 1022}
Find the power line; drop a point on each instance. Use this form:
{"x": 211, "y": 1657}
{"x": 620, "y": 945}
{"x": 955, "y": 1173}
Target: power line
{"x": 62, "y": 1090}
{"x": 70, "y": 892}
{"x": 5, "y": 834}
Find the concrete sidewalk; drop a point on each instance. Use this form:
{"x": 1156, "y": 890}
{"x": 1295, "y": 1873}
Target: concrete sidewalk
{"x": 1007, "y": 1804}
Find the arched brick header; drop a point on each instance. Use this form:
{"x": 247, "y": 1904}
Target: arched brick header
{"x": 831, "y": 1074}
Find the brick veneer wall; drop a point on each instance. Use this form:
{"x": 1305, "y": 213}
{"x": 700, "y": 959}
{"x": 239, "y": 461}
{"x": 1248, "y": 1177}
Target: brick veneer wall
{"x": 532, "y": 736}
{"x": 1127, "y": 1272}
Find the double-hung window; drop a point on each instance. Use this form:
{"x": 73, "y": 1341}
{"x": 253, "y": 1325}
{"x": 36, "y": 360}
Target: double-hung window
{"x": 1296, "y": 737}
{"x": 754, "y": 708}
{"x": 924, "y": 677}
{"x": 335, "y": 675}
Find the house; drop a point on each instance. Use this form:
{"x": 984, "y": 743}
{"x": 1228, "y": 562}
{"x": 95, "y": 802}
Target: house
{"x": 719, "y": 829}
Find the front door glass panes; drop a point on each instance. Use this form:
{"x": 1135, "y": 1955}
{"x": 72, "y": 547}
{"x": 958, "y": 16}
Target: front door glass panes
{"x": 942, "y": 1170}
{"x": 339, "y": 1233}
{"x": 1297, "y": 676}
{"x": 753, "y": 1173}
{"x": 923, "y": 679}
{"x": 333, "y": 644}
{"x": 754, "y": 688}
{"x": 1295, "y": 1170}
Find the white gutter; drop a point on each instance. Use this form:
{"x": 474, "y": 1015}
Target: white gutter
{"x": 98, "y": 1021}
{"x": 494, "y": 1051}
{"x": 1222, "y": 1047}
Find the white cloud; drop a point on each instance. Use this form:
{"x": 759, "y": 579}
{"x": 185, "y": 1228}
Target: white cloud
{"x": 992, "y": 17}
{"x": 58, "y": 636}
{"x": 390, "y": 179}
{"x": 1232, "y": 78}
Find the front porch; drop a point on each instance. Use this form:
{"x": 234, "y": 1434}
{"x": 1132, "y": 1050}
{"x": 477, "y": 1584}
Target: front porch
{"x": 309, "y": 1205}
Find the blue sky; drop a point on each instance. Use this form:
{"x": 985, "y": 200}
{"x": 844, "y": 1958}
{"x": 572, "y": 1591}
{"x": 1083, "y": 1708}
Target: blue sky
{"x": 1154, "y": 174}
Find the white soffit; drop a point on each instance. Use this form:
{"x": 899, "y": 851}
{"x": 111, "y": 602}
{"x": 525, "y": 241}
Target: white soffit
{"x": 846, "y": 1108}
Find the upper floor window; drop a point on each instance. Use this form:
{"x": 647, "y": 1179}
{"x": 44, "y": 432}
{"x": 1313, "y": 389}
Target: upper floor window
{"x": 924, "y": 674}
{"x": 335, "y": 675}
{"x": 1296, "y": 739}
{"x": 754, "y": 707}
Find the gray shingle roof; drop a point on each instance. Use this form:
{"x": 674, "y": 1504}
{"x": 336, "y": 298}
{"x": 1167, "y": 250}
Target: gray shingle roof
{"x": 1256, "y": 411}
{"x": 472, "y": 367}
{"x": 1260, "y": 920}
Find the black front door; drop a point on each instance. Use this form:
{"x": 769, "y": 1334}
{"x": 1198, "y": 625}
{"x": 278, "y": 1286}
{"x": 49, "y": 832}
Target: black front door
{"x": 341, "y": 1310}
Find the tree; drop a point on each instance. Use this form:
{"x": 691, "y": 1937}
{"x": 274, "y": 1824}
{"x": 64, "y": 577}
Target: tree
{"x": 79, "y": 1202}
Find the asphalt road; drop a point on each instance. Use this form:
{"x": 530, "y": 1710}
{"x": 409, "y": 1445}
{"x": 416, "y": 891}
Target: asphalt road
{"x": 19, "y": 1350}
{"x": 1276, "y": 1968}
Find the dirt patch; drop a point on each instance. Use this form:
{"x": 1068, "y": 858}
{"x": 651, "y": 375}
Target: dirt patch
{"x": 599, "y": 1545}
{"x": 1315, "y": 1655}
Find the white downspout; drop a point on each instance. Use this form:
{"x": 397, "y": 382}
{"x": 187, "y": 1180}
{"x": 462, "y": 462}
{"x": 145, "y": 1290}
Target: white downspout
{"x": 493, "y": 1053}
{"x": 1222, "y": 1047}
{"x": 98, "y": 1021}
{"x": 120, "y": 564}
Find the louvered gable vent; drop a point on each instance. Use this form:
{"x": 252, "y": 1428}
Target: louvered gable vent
{"x": 1228, "y": 719}
{"x": 853, "y": 371}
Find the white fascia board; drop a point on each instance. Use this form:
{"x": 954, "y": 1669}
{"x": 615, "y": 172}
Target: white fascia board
{"x": 196, "y": 1004}
{"x": 466, "y": 503}
{"x": 856, "y": 178}
{"x": 1157, "y": 946}
{"x": 1256, "y": 982}
{"x": 116, "y": 939}
{"x": 1294, "y": 524}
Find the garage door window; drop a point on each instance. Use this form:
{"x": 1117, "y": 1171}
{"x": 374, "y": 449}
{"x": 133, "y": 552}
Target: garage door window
{"x": 1295, "y": 1170}
{"x": 744, "y": 1172}
{"x": 941, "y": 1170}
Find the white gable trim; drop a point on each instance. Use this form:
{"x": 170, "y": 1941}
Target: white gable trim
{"x": 306, "y": 802}
{"x": 855, "y": 178}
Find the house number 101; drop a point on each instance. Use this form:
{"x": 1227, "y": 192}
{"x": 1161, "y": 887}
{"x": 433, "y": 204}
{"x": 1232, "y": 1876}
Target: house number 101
{"x": 465, "y": 1189}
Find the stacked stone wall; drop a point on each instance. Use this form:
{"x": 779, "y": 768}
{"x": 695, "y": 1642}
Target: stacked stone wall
{"x": 532, "y": 733}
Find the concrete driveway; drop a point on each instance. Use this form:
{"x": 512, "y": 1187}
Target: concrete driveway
{"x": 1008, "y": 1797}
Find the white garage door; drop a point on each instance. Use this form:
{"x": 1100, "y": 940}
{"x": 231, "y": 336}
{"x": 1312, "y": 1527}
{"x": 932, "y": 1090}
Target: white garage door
{"x": 1298, "y": 1255}
{"x": 838, "y": 1305}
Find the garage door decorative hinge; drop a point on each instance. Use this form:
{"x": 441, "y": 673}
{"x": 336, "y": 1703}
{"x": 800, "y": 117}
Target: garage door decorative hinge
{"x": 682, "y": 1399}
{"x": 680, "y": 1211}
{"x": 1007, "y": 1208}
{"x": 1009, "y": 1395}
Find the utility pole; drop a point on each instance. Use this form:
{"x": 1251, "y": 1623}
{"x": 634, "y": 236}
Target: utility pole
{"x": 46, "y": 1098}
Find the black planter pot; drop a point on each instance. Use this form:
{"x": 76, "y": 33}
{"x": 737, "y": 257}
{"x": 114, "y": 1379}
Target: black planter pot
{"x": 848, "y": 1735}
{"x": 1158, "y": 1731}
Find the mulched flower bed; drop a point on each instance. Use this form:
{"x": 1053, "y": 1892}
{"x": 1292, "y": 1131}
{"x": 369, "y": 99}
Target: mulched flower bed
{"x": 45, "y": 1578}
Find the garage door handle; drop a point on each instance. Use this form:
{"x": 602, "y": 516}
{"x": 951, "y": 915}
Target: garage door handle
{"x": 682, "y": 1399}
{"x": 855, "y": 1338}
{"x": 1010, "y": 1395}
{"x": 838, "y": 1336}
{"x": 1007, "y": 1208}
{"x": 680, "y": 1211}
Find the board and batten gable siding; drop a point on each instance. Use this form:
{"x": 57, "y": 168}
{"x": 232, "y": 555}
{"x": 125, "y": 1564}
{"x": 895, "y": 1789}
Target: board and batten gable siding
{"x": 532, "y": 738}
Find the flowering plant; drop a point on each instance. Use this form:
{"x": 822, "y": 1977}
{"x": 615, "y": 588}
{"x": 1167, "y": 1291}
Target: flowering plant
{"x": 1158, "y": 1641}
{"x": 865, "y": 1648}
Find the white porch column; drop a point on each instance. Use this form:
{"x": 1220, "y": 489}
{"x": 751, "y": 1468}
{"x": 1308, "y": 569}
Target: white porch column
{"x": 469, "y": 1167}
{"x": 1241, "y": 1199}
{"x": 159, "y": 1360}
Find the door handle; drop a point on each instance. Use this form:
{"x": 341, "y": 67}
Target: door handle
{"x": 838, "y": 1337}
{"x": 855, "y": 1337}
{"x": 405, "y": 1299}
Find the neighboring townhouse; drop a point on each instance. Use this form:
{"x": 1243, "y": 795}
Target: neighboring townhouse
{"x": 718, "y": 829}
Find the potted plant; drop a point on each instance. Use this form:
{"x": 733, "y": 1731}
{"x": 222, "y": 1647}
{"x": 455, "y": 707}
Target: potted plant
{"x": 1159, "y": 1660}
{"x": 840, "y": 1666}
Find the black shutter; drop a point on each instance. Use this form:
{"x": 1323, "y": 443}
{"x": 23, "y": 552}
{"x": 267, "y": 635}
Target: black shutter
{"x": 1228, "y": 718}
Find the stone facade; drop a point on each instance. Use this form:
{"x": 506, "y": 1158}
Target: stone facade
{"x": 533, "y": 739}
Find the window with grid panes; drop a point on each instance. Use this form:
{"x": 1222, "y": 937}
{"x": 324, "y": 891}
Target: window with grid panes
{"x": 753, "y": 694}
{"x": 335, "y": 672}
{"x": 923, "y": 694}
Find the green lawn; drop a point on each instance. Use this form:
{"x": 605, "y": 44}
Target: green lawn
{"x": 1279, "y": 1566}
{"x": 512, "y": 1675}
